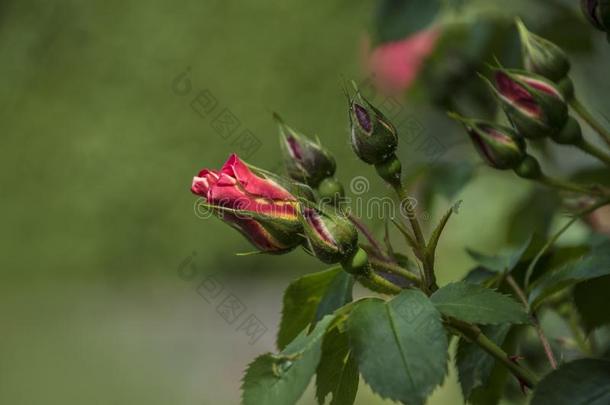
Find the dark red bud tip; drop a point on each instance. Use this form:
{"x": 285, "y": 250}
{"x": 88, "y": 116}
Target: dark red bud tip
{"x": 294, "y": 148}
{"x": 596, "y": 11}
{"x": 363, "y": 117}
{"x": 315, "y": 221}
{"x": 516, "y": 93}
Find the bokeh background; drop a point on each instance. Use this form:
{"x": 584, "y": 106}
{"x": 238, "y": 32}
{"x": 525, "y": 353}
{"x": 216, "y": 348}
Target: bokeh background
{"x": 98, "y": 148}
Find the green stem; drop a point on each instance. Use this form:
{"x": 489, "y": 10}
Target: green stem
{"x": 565, "y": 185}
{"x": 550, "y": 242}
{"x": 377, "y": 283}
{"x": 429, "y": 275}
{"x": 395, "y": 269}
{"x": 412, "y": 217}
{"x": 594, "y": 151}
{"x": 546, "y": 346}
{"x": 475, "y": 335}
{"x": 367, "y": 233}
{"x": 588, "y": 117}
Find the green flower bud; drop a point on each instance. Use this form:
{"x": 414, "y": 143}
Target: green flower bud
{"x": 597, "y": 12}
{"x": 499, "y": 146}
{"x": 357, "y": 264}
{"x": 331, "y": 190}
{"x": 390, "y": 171}
{"x": 541, "y": 56}
{"x": 305, "y": 160}
{"x": 373, "y": 137}
{"x": 529, "y": 168}
{"x": 533, "y": 104}
{"x": 331, "y": 237}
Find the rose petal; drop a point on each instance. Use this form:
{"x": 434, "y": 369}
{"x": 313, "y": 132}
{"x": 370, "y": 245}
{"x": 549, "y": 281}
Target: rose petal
{"x": 516, "y": 94}
{"x": 253, "y": 184}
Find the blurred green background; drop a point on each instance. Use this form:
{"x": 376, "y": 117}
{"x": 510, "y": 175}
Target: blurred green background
{"x": 97, "y": 157}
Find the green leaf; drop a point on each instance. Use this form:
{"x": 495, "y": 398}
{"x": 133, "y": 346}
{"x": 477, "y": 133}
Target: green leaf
{"x": 477, "y": 304}
{"x": 337, "y": 372}
{"x": 481, "y": 275}
{"x": 397, "y": 19}
{"x": 309, "y": 298}
{"x": 281, "y": 379}
{"x": 473, "y": 363}
{"x": 400, "y": 345}
{"x": 594, "y": 264}
{"x": 581, "y": 382}
{"x": 504, "y": 262}
{"x": 592, "y": 301}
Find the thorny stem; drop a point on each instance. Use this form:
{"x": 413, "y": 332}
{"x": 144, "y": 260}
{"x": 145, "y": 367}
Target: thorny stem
{"x": 378, "y": 283}
{"x": 588, "y": 117}
{"x": 395, "y": 269}
{"x": 469, "y": 331}
{"x": 543, "y": 339}
{"x": 429, "y": 276}
{"x": 474, "y": 334}
{"x": 367, "y": 233}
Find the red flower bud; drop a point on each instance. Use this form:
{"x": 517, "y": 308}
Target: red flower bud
{"x": 258, "y": 207}
{"x": 373, "y": 137}
{"x": 500, "y": 147}
{"x": 306, "y": 161}
{"x": 533, "y": 104}
{"x": 597, "y": 12}
{"x": 331, "y": 237}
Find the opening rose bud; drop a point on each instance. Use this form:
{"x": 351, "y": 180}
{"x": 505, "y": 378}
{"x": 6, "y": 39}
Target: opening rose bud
{"x": 263, "y": 211}
{"x": 305, "y": 160}
{"x": 373, "y": 137}
{"x": 331, "y": 237}
{"x": 541, "y": 56}
{"x": 597, "y": 12}
{"x": 533, "y": 104}
{"x": 499, "y": 146}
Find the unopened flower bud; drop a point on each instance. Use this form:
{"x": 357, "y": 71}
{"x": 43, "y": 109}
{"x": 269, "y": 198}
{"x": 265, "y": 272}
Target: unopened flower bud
{"x": 373, "y": 137}
{"x": 529, "y": 168}
{"x": 257, "y": 206}
{"x": 533, "y": 104}
{"x": 331, "y": 190}
{"x": 499, "y": 146}
{"x": 597, "y": 12}
{"x": 541, "y": 56}
{"x": 331, "y": 237}
{"x": 305, "y": 160}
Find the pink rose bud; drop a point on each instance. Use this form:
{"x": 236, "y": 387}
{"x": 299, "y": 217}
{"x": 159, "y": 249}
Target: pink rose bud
{"x": 331, "y": 237}
{"x": 396, "y": 65}
{"x": 306, "y": 160}
{"x": 258, "y": 207}
{"x": 500, "y": 147}
{"x": 533, "y": 104}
